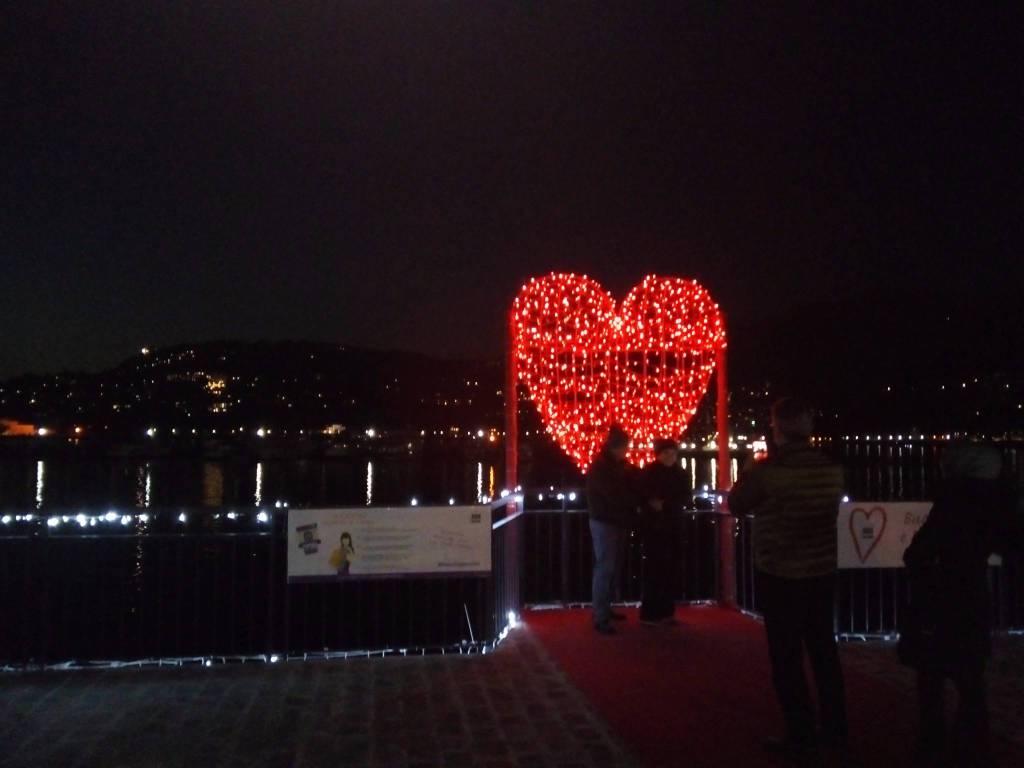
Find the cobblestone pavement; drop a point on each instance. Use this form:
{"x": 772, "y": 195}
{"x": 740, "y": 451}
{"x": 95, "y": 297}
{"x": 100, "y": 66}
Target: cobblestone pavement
{"x": 510, "y": 708}
{"x": 1005, "y": 680}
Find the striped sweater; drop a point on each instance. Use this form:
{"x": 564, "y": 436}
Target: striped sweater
{"x": 794, "y": 498}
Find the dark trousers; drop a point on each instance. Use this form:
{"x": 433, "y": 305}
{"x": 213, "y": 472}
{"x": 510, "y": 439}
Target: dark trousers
{"x": 971, "y": 745}
{"x": 608, "y": 541}
{"x": 657, "y": 603}
{"x": 798, "y": 616}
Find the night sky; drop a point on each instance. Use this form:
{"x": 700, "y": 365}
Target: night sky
{"x": 388, "y": 174}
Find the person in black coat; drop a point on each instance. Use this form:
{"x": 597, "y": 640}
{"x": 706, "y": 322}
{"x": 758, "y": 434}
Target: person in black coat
{"x": 947, "y": 627}
{"x": 666, "y": 487}
{"x": 612, "y": 501}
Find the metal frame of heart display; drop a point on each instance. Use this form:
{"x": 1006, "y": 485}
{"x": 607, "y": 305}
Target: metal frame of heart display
{"x": 588, "y": 363}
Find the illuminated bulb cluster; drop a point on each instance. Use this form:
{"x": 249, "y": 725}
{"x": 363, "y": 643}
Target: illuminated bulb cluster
{"x": 588, "y": 363}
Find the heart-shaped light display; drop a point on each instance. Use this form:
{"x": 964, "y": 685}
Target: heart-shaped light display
{"x": 588, "y": 363}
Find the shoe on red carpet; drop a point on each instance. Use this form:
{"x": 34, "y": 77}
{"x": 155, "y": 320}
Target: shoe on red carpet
{"x": 605, "y": 629}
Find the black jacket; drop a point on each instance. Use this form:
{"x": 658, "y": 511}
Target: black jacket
{"x": 947, "y": 565}
{"x": 671, "y": 485}
{"x": 612, "y": 490}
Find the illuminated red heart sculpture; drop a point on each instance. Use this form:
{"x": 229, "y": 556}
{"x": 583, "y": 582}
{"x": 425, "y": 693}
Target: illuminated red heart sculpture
{"x": 588, "y": 364}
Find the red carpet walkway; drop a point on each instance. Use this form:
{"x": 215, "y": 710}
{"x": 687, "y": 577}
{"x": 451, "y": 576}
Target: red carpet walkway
{"x": 700, "y": 694}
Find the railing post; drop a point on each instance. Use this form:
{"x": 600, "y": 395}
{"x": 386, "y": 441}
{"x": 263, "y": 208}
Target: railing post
{"x": 511, "y": 409}
{"x": 727, "y": 529}
{"x": 565, "y": 550}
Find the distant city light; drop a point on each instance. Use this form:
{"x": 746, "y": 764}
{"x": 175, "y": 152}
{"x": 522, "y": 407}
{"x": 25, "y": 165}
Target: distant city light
{"x": 414, "y": 502}
{"x": 572, "y": 496}
{"x": 42, "y": 431}
{"x": 145, "y": 350}
{"x": 151, "y": 432}
{"x": 261, "y": 432}
{"x": 371, "y": 432}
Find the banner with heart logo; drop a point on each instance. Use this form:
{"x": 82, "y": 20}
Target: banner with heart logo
{"x": 876, "y": 534}
{"x": 588, "y": 362}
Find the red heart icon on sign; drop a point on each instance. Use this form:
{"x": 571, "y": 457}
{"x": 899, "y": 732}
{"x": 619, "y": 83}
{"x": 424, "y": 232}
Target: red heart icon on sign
{"x": 876, "y": 537}
{"x": 589, "y": 363}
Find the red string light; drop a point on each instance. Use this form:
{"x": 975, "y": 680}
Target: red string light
{"x": 588, "y": 363}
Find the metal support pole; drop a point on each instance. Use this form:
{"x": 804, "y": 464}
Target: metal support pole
{"x": 565, "y": 549}
{"x": 727, "y": 529}
{"x": 511, "y": 409}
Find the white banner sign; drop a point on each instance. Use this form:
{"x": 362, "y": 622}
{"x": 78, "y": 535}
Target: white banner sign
{"x": 875, "y": 534}
{"x": 381, "y": 542}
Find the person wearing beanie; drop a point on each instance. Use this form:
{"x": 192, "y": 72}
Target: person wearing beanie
{"x": 666, "y": 489}
{"x": 946, "y": 630}
{"x": 612, "y": 501}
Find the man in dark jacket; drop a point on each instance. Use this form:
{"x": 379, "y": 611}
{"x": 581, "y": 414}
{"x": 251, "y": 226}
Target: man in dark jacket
{"x": 666, "y": 488}
{"x": 947, "y": 630}
{"x": 612, "y": 502}
{"x": 794, "y": 498}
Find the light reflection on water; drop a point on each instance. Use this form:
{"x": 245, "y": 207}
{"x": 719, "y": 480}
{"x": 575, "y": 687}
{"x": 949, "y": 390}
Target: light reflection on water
{"x": 259, "y": 484}
{"x": 40, "y": 483}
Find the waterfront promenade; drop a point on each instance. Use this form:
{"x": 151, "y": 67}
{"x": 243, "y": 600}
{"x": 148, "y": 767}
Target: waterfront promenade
{"x": 553, "y": 694}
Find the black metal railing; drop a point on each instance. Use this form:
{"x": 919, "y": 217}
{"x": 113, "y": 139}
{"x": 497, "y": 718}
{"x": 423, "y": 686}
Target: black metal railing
{"x": 558, "y": 558}
{"x": 869, "y": 600}
{"x": 202, "y": 584}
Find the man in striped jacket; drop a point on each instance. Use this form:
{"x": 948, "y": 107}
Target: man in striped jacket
{"x": 794, "y": 496}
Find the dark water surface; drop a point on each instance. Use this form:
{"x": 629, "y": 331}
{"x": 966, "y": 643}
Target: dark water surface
{"x": 882, "y": 470}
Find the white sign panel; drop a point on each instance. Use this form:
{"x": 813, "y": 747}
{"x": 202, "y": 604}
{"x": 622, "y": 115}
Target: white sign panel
{"x": 875, "y": 534}
{"x": 338, "y": 544}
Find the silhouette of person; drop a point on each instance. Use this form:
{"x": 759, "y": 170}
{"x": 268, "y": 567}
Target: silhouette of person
{"x": 946, "y": 630}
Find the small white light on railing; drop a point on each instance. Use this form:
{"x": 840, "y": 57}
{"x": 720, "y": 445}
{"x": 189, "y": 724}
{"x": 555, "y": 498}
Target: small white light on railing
{"x": 277, "y": 504}
{"x": 540, "y": 497}
{"x": 263, "y": 517}
{"x": 111, "y": 516}
{"x": 414, "y": 502}
{"x": 29, "y": 517}
{"x": 720, "y": 499}
{"x": 504, "y": 492}
{"x": 451, "y": 502}
{"x": 572, "y": 496}
{"x": 6, "y": 519}
{"x": 53, "y": 522}
{"x": 274, "y": 658}
{"x": 144, "y": 518}
{"x": 182, "y": 517}
{"x": 92, "y": 521}
{"x": 207, "y": 663}
{"x": 125, "y": 519}
{"x": 560, "y": 496}
{"x": 232, "y": 515}
{"x": 846, "y": 499}
{"x": 82, "y": 520}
